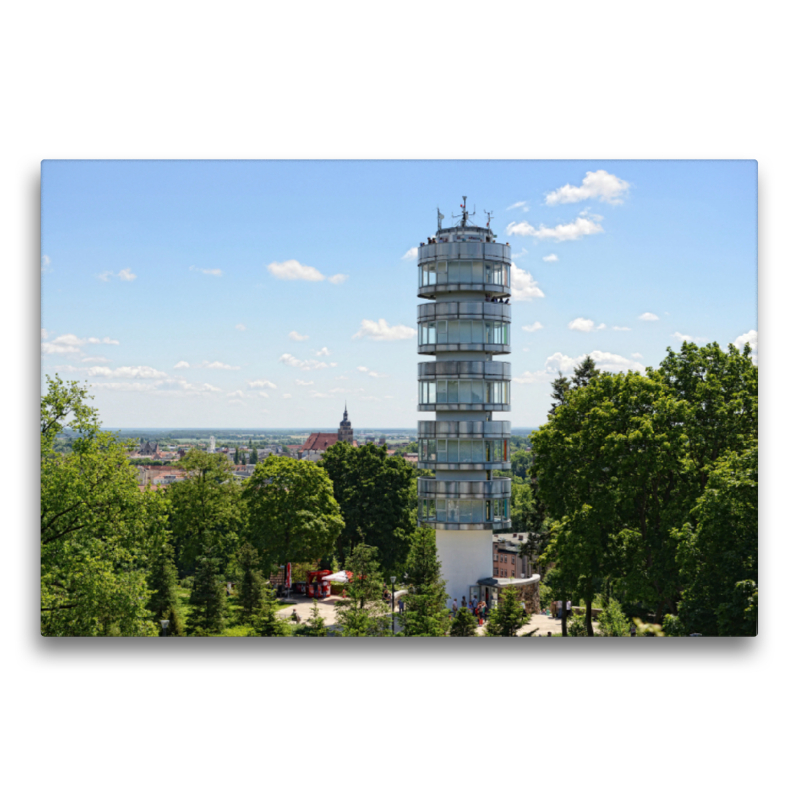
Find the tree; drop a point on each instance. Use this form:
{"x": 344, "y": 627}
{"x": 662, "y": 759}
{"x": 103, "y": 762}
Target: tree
{"x": 292, "y": 512}
{"x": 207, "y": 599}
{"x": 508, "y": 616}
{"x": 719, "y": 555}
{"x": 236, "y": 456}
{"x": 377, "y": 495}
{"x": 252, "y": 585}
{"x": 266, "y": 621}
{"x": 584, "y": 373}
{"x": 426, "y": 611}
{"x": 363, "y": 612}
{"x": 98, "y": 530}
{"x": 612, "y": 620}
{"x": 560, "y": 390}
{"x": 253, "y": 456}
{"x": 464, "y": 623}
{"x": 316, "y": 624}
{"x": 206, "y": 509}
{"x": 163, "y": 583}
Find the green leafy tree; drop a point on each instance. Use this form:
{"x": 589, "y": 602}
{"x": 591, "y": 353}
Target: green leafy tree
{"x": 266, "y": 621}
{"x": 252, "y": 586}
{"x": 207, "y": 600}
{"x": 363, "y": 612}
{"x": 508, "y": 616}
{"x": 236, "y": 456}
{"x": 163, "y": 583}
{"x": 292, "y": 512}
{"x": 206, "y": 509}
{"x": 253, "y": 456}
{"x": 465, "y": 623}
{"x": 377, "y": 495}
{"x": 426, "y": 611}
{"x": 316, "y": 624}
{"x": 719, "y": 555}
{"x": 98, "y": 530}
{"x": 612, "y": 619}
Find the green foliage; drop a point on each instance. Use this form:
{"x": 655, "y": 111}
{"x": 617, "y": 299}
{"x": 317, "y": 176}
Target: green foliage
{"x": 613, "y": 621}
{"x": 576, "y": 627}
{"x": 208, "y": 599}
{"x": 377, "y": 495}
{"x": 253, "y": 456}
{"x": 292, "y": 512}
{"x": 206, "y": 509}
{"x": 719, "y": 555}
{"x": 315, "y": 625}
{"x": 508, "y": 616}
{"x": 426, "y": 611}
{"x": 98, "y": 530}
{"x": 584, "y": 373}
{"x": 363, "y": 612}
{"x": 251, "y": 585}
{"x": 465, "y": 623}
{"x": 163, "y": 583}
{"x": 621, "y": 465}
{"x": 266, "y": 621}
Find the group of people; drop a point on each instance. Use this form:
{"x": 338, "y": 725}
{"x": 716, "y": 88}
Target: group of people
{"x": 490, "y": 299}
{"x": 479, "y": 609}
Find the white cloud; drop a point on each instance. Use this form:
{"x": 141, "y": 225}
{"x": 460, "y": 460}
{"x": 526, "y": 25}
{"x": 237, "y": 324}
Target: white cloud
{"x": 371, "y": 373}
{"x": 173, "y": 387}
{"x": 71, "y": 340}
{"x": 585, "y": 325}
{"x": 540, "y": 376}
{"x": 45, "y": 334}
{"x": 637, "y": 355}
{"x": 286, "y": 396}
{"x": 380, "y": 331}
{"x": 318, "y": 394}
{"x": 240, "y": 327}
{"x": 181, "y": 365}
{"x": 293, "y": 270}
{"x": 217, "y": 365}
{"x": 49, "y": 348}
{"x": 601, "y": 184}
{"x": 523, "y": 204}
{"x": 526, "y": 349}
{"x": 236, "y": 402}
{"x": 338, "y": 278}
{"x": 237, "y": 393}
{"x": 323, "y": 352}
{"x": 215, "y": 272}
{"x": 619, "y": 328}
{"x": 123, "y": 275}
{"x": 261, "y": 383}
{"x": 606, "y": 362}
{"x": 126, "y": 372}
{"x": 684, "y": 337}
{"x": 95, "y": 360}
{"x": 565, "y": 232}
{"x": 310, "y": 363}
{"x": 45, "y": 263}
{"x": 341, "y": 378}
{"x": 551, "y": 257}
{"x": 751, "y": 338}
{"x": 523, "y": 286}
{"x": 521, "y": 253}
{"x": 648, "y": 317}
{"x": 297, "y": 337}
{"x": 537, "y": 326}
{"x": 263, "y": 394}
{"x": 411, "y": 254}
{"x": 303, "y": 383}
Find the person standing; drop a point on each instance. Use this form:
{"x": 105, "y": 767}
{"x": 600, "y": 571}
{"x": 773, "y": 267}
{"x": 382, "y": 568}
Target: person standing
{"x": 455, "y": 607}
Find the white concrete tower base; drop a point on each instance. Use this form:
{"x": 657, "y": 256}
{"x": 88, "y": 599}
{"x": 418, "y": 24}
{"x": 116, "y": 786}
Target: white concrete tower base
{"x": 465, "y": 556}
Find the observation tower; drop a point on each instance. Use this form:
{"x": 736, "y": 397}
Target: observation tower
{"x": 466, "y": 274}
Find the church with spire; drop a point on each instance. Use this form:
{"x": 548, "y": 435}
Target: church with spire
{"x": 317, "y": 443}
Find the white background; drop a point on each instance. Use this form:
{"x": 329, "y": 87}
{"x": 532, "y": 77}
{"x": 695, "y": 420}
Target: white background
{"x": 654, "y": 718}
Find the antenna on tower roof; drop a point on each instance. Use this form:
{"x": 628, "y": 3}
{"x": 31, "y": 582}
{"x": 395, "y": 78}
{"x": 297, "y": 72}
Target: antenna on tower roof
{"x": 488, "y": 218}
{"x": 465, "y": 215}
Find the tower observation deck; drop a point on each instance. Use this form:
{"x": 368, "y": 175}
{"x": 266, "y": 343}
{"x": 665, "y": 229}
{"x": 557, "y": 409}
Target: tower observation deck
{"x": 466, "y": 275}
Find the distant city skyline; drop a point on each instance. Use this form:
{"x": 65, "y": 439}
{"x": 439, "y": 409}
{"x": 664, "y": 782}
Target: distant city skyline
{"x": 238, "y": 294}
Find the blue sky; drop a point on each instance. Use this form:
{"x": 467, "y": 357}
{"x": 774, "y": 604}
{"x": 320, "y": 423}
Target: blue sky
{"x": 258, "y": 293}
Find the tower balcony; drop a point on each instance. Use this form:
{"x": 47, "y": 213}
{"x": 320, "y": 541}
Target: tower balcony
{"x": 464, "y": 386}
{"x": 464, "y": 505}
{"x": 462, "y": 327}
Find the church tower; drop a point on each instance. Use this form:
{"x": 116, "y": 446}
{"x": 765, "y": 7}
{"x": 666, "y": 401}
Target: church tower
{"x": 345, "y": 433}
